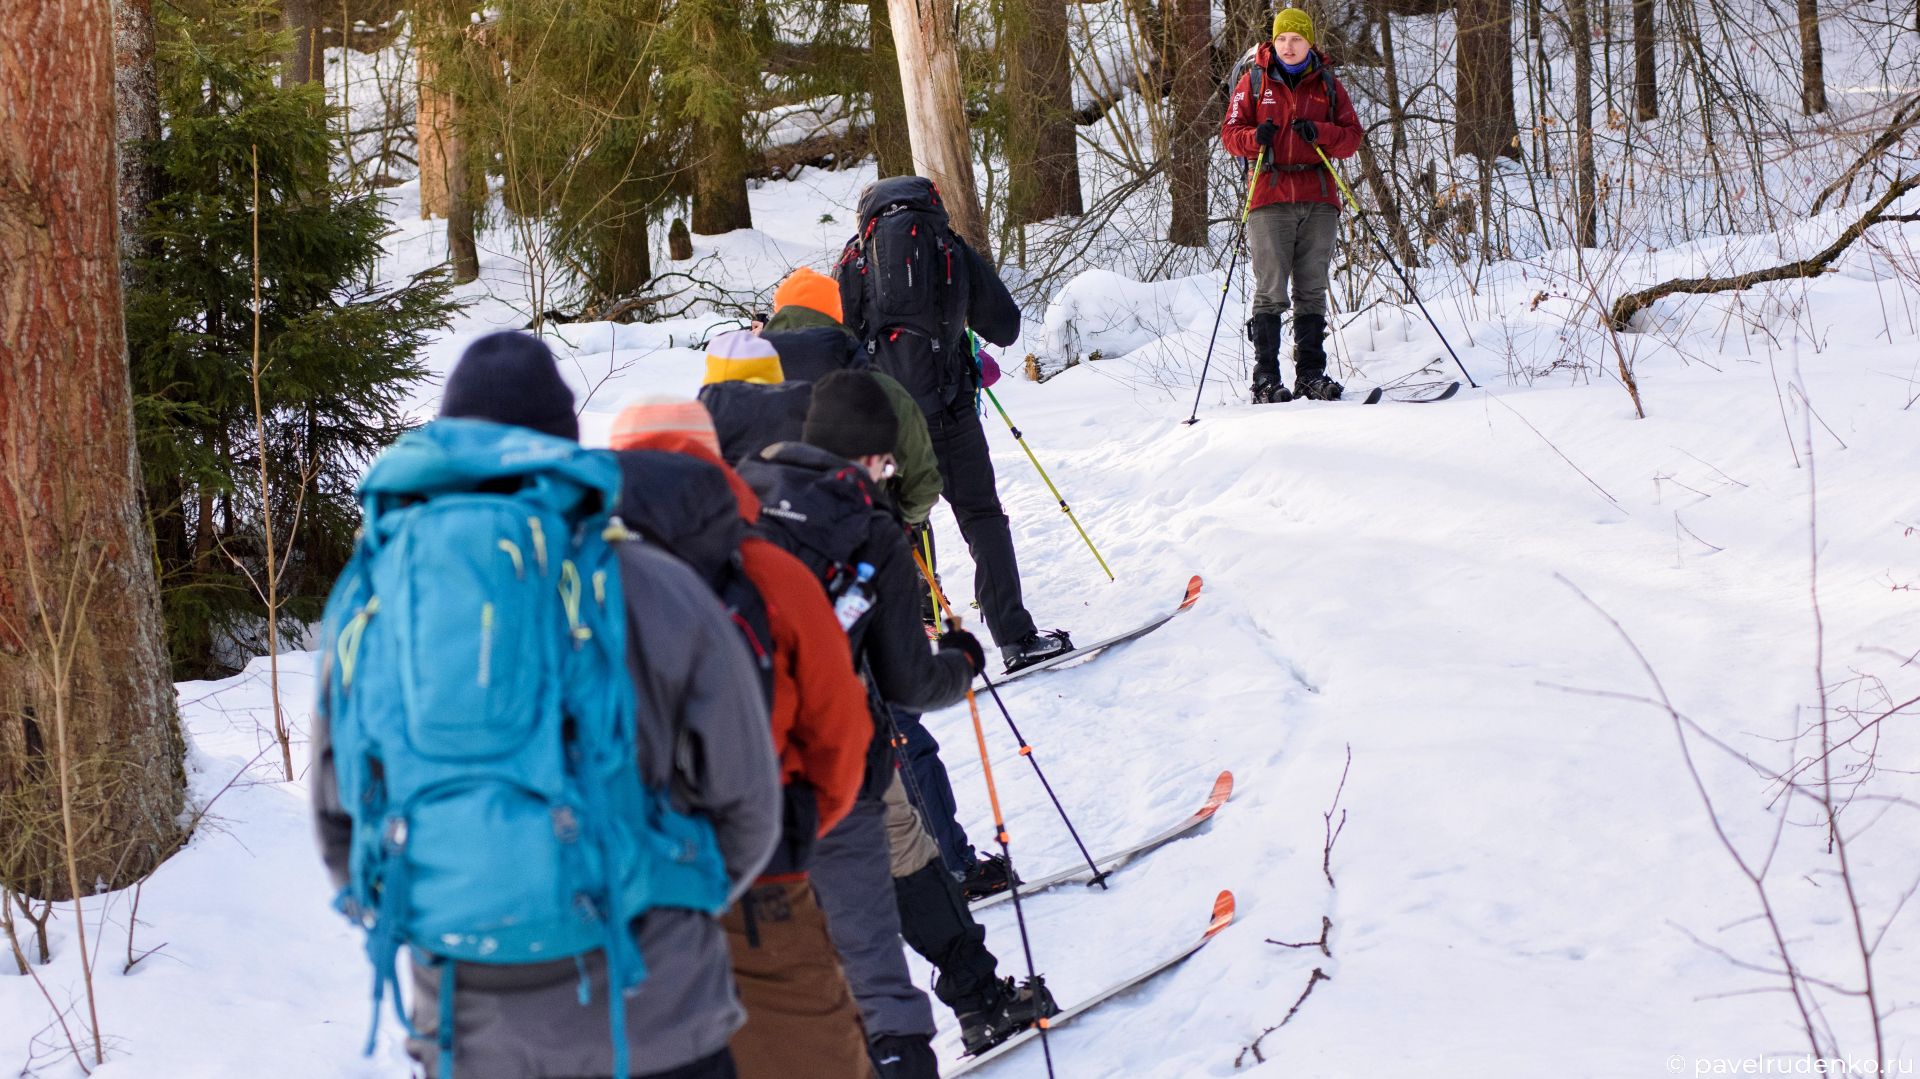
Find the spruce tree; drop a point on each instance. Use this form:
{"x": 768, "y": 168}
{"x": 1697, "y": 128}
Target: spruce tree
{"x": 338, "y": 350}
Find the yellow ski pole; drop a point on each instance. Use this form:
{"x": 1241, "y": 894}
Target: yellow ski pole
{"x": 1057, "y": 496}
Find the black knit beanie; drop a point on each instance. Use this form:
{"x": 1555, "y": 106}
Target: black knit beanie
{"x": 851, "y": 416}
{"x": 511, "y": 378}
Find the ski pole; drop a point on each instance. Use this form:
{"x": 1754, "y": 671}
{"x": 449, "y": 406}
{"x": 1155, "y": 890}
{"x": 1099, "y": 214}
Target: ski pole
{"x": 1233, "y": 260}
{"x": 1388, "y": 255}
{"x": 926, "y": 540}
{"x": 1026, "y": 750}
{"x": 1057, "y": 496}
{"x": 999, "y": 821}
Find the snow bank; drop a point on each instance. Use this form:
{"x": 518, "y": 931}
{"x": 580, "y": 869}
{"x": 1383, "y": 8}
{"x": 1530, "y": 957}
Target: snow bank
{"x": 1101, "y": 311}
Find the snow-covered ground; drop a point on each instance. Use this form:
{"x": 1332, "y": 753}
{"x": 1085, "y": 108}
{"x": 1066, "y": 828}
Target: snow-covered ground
{"x": 1526, "y": 881}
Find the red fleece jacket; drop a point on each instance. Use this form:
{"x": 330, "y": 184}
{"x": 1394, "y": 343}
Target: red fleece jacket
{"x": 1319, "y": 98}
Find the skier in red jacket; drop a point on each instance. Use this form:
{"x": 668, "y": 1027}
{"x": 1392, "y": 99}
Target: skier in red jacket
{"x": 1287, "y": 104}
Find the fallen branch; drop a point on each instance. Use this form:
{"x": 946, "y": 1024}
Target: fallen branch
{"x": 1326, "y": 931}
{"x": 1632, "y": 303}
{"x": 1313, "y": 979}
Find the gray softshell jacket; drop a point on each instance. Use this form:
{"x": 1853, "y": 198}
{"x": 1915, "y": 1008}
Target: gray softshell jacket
{"x": 693, "y": 675}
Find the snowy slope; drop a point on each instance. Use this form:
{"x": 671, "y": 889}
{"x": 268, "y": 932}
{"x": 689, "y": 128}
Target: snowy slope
{"x": 1525, "y": 861}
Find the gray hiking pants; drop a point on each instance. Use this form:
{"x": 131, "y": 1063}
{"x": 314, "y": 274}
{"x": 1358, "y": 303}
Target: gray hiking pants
{"x": 853, "y": 878}
{"x": 1291, "y": 243}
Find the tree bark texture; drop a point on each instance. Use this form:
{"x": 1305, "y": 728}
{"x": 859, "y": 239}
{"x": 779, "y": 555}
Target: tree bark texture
{"x": 306, "y": 57}
{"x": 70, "y": 513}
{"x": 1586, "y": 223}
{"x": 926, "y": 43}
{"x": 136, "y": 99}
{"x": 1483, "y": 88}
{"x": 720, "y": 178}
{"x": 892, "y": 143}
{"x": 1043, "y": 162}
{"x": 433, "y": 135}
{"x": 1193, "y": 133}
{"x": 1646, "y": 95}
{"x": 1813, "y": 82}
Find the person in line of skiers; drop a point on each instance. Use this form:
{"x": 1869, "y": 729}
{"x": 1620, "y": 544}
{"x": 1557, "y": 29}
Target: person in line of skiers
{"x": 822, "y": 501}
{"x": 753, "y": 409}
{"x": 909, "y": 290}
{"x": 701, "y": 739}
{"x": 802, "y": 1022}
{"x": 1287, "y": 104}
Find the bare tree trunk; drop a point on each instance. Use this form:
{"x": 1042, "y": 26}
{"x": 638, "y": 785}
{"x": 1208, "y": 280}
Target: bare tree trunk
{"x": 136, "y": 101}
{"x": 76, "y": 563}
{"x": 433, "y": 136}
{"x": 719, "y": 139}
{"x": 306, "y": 59}
{"x": 720, "y": 179}
{"x": 1043, "y": 157}
{"x": 462, "y": 252}
{"x": 1192, "y": 133}
{"x": 892, "y": 143}
{"x": 1483, "y": 90}
{"x": 1586, "y": 225}
{"x": 1396, "y": 111}
{"x": 1646, "y": 96}
{"x": 1813, "y": 83}
{"x": 926, "y": 42}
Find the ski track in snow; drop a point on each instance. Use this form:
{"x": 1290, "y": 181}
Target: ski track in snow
{"x": 1521, "y": 862}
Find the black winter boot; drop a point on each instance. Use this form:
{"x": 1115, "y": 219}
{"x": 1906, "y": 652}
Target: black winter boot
{"x": 1012, "y": 1010}
{"x": 1037, "y": 646}
{"x": 935, "y": 921}
{"x": 1264, "y": 331}
{"x": 988, "y": 875}
{"x": 1310, "y": 360}
{"x": 904, "y": 1056}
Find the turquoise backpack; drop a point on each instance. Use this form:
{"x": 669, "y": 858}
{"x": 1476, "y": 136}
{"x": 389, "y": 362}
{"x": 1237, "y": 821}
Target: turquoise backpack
{"x": 482, "y": 717}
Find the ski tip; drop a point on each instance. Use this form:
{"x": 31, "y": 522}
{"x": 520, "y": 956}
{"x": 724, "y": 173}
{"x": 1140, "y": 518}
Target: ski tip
{"x": 1374, "y": 395}
{"x": 1222, "y": 913}
{"x": 1193, "y": 592}
{"x": 1222, "y": 790}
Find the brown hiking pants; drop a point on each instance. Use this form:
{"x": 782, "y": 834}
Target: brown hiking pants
{"x": 801, "y": 1019}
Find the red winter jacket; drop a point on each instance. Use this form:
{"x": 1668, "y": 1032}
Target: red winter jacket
{"x": 1319, "y": 98}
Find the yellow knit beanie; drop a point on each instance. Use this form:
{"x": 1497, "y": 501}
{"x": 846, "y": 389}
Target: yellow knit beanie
{"x": 742, "y": 356}
{"x": 1293, "y": 21}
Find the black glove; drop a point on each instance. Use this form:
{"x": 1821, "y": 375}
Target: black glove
{"x": 959, "y": 640}
{"x": 1263, "y": 135}
{"x": 1308, "y": 133}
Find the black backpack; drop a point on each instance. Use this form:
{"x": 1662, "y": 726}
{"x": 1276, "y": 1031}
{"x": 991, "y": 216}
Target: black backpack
{"x": 904, "y": 281}
{"x": 686, "y": 507}
{"x": 819, "y": 509}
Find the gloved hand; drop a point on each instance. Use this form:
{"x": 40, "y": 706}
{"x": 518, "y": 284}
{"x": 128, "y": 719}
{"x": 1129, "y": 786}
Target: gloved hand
{"x": 967, "y": 645}
{"x": 1308, "y": 133}
{"x": 1263, "y": 135}
{"x": 989, "y": 369}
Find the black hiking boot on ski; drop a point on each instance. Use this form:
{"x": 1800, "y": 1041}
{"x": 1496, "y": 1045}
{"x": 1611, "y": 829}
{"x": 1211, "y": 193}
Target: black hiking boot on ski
{"x": 1264, "y": 331}
{"x": 987, "y": 876}
{"x": 1036, "y": 647}
{"x": 1316, "y": 386}
{"x": 1012, "y": 1010}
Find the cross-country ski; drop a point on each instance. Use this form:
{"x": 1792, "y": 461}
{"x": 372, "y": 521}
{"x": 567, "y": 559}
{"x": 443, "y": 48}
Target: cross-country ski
{"x": 1114, "y": 859}
{"x": 1221, "y": 918}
